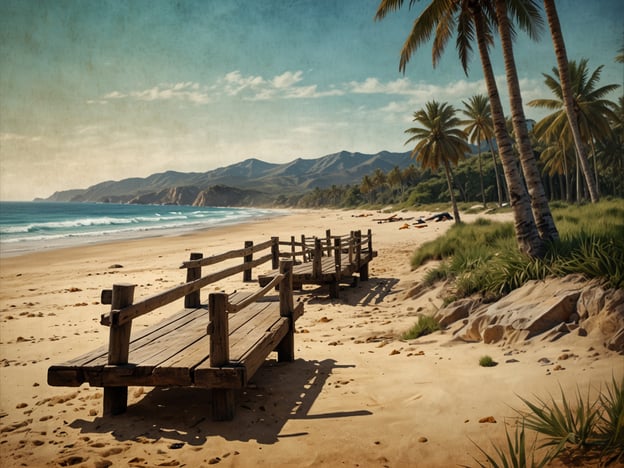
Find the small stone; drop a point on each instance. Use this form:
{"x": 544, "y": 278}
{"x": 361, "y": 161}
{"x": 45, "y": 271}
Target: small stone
{"x": 395, "y": 352}
{"x": 422, "y": 440}
{"x": 115, "y": 265}
{"x": 488, "y": 419}
{"x": 214, "y": 461}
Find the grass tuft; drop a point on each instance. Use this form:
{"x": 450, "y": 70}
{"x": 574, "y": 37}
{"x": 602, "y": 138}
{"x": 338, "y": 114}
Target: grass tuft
{"x": 487, "y": 361}
{"x": 425, "y": 326}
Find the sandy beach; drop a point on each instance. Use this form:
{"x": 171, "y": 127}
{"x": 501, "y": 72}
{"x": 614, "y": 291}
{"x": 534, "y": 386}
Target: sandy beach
{"x": 356, "y": 396}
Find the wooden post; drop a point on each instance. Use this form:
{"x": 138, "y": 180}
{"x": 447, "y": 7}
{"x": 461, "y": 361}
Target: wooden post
{"x": 334, "y": 286}
{"x": 223, "y": 404}
{"x": 286, "y": 347}
{"x": 275, "y": 253}
{"x": 193, "y": 299}
{"x": 305, "y": 257}
{"x": 358, "y": 248}
{"x": 316, "y": 261}
{"x": 116, "y": 398}
{"x": 328, "y": 241}
{"x": 246, "y": 259}
{"x": 351, "y": 248}
{"x": 364, "y": 269}
{"x": 338, "y": 256}
{"x": 292, "y": 248}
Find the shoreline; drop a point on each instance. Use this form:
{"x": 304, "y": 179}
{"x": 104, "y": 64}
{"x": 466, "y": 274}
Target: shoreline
{"x": 356, "y": 394}
{"x": 16, "y": 249}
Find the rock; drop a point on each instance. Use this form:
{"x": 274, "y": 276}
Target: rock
{"x": 526, "y": 312}
{"x": 455, "y": 311}
{"x": 493, "y": 334}
{"x": 488, "y": 419}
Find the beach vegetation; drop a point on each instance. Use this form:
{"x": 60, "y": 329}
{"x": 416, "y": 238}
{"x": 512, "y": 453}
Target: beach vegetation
{"x": 582, "y": 429}
{"x": 516, "y": 452}
{"x": 480, "y": 257}
{"x": 425, "y": 325}
{"x": 487, "y": 361}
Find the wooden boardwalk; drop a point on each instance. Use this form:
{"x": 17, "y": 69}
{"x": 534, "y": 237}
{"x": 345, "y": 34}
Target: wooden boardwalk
{"x": 218, "y": 345}
{"x": 327, "y": 261}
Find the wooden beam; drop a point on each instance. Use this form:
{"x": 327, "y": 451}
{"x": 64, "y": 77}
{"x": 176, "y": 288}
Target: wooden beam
{"x": 116, "y": 398}
{"x": 223, "y": 404}
{"x": 193, "y": 299}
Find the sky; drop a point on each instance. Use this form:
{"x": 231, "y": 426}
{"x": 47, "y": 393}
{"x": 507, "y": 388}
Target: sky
{"x": 97, "y": 90}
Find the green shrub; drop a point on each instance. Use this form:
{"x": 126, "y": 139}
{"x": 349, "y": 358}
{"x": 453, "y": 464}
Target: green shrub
{"x": 425, "y": 325}
{"x": 487, "y": 361}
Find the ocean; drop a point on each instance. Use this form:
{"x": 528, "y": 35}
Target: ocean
{"x": 34, "y": 226}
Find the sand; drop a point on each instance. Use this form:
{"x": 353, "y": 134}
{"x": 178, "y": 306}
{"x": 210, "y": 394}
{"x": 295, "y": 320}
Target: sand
{"x": 357, "y": 395}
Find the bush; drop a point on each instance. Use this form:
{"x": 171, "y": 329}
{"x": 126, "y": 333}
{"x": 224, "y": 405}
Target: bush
{"x": 487, "y": 361}
{"x": 425, "y": 325}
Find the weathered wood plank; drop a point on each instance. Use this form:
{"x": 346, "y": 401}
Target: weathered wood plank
{"x": 213, "y": 259}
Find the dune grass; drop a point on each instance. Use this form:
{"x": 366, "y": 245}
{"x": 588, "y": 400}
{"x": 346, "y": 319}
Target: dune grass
{"x": 425, "y": 326}
{"x": 582, "y": 428}
{"x": 482, "y": 257}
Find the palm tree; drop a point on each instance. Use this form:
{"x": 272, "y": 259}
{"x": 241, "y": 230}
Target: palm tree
{"x": 567, "y": 95}
{"x": 526, "y": 13}
{"x": 366, "y": 187}
{"x": 591, "y": 111}
{"x": 474, "y": 19}
{"x": 395, "y": 179}
{"x": 479, "y": 127}
{"x": 439, "y": 141}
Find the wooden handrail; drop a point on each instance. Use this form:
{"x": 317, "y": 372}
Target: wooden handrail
{"x": 231, "y": 307}
{"x": 227, "y": 255}
{"x": 126, "y": 314}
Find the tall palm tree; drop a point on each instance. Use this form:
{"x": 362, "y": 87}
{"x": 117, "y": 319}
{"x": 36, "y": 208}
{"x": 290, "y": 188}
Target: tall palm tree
{"x": 568, "y": 96}
{"x": 592, "y": 112}
{"x": 479, "y": 128}
{"x": 526, "y": 12}
{"x": 474, "y": 19}
{"x": 439, "y": 141}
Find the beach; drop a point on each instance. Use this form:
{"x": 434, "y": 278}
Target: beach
{"x": 357, "y": 395}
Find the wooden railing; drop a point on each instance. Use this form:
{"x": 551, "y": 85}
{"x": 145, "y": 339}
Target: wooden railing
{"x": 124, "y": 310}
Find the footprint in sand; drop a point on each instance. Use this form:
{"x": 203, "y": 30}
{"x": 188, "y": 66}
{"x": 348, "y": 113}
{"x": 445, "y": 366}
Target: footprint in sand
{"x": 15, "y": 426}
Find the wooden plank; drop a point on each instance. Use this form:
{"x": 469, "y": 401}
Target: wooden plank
{"x": 73, "y": 371}
{"x": 227, "y": 255}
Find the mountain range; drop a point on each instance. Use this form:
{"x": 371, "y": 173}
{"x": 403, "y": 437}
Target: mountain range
{"x": 250, "y": 182}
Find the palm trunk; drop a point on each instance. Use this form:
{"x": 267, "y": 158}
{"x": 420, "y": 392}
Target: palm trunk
{"x": 481, "y": 169}
{"x": 499, "y": 188}
{"x": 449, "y": 181}
{"x": 566, "y": 91}
{"x": 594, "y": 157}
{"x": 527, "y": 236}
{"x": 539, "y": 203}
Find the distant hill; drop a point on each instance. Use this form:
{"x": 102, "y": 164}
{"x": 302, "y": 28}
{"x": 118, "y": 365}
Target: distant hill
{"x": 250, "y": 182}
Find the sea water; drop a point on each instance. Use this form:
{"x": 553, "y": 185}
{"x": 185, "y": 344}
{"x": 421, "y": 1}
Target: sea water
{"x": 33, "y": 226}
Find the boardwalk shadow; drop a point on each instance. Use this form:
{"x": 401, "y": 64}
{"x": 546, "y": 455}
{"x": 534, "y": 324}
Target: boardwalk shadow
{"x": 371, "y": 292}
{"x": 279, "y": 392}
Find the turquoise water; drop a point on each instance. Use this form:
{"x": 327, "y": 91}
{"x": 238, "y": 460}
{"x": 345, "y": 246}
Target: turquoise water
{"x": 31, "y": 226}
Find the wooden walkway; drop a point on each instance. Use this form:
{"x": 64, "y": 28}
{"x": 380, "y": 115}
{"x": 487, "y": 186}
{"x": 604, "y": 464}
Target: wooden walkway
{"x": 327, "y": 261}
{"x": 218, "y": 345}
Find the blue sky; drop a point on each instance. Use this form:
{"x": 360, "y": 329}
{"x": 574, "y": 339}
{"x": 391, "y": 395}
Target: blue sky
{"x": 97, "y": 90}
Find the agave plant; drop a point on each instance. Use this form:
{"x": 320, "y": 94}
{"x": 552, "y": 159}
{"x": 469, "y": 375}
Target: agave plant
{"x": 517, "y": 453}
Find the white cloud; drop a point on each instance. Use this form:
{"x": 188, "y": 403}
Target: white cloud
{"x": 183, "y": 91}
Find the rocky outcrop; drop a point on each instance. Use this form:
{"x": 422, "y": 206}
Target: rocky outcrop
{"x": 543, "y": 310}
